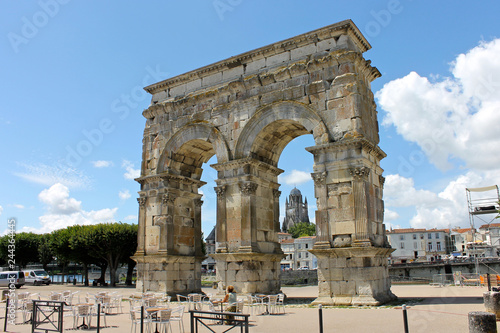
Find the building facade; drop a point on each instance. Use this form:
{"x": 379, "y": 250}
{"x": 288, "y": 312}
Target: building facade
{"x": 297, "y": 255}
{"x": 423, "y": 244}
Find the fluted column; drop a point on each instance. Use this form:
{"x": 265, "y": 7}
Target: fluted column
{"x": 141, "y": 231}
{"x": 322, "y": 224}
{"x": 248, "y": 229}
{"x": 221, "y": 227}
{"x": 276, "y": 196}
{"x": 362, "y": 232}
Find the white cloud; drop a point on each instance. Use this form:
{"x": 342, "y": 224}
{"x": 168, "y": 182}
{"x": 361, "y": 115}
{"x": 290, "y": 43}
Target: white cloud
{"x": 124, "y": 195}
{"x": 296, "y": 177}
{"x": 390, "y": 215}
{"x": 130, "y": 218}
{"x": 58, "y": 201}
{"x": 49, "y": 175}
{"x": 102, "y": 164}
{"x": 64, "y": 211}
{"x": 454, "y": 117}
{"x": 439, "y": 209}
{"x": 1, "y": 210}
{"x": 19, "y": 206}
{"x": 130, "y": 173}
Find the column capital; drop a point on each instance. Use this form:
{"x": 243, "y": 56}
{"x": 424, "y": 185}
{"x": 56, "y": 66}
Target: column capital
{"x": 198, "y": 202}
{"x": 248, "y": 188}
{"x": 359, "y": 173}
{"x": 319, "y": 178}
{"x": 168, "y": 198}
{"x": 276, "y": 193}
{"x": 141, "y": 201}
{"x": 220, "y": 191}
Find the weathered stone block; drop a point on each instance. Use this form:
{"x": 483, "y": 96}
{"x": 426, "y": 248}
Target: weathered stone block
{"x": 277, "y": 59}
{"x": 303, "y": 51}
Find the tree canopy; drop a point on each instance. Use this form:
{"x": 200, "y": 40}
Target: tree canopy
{"x": 105, "y": 244}
{"x": 302, "y": 229}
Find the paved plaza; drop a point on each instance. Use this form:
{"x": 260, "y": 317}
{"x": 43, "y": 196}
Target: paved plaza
{"x": 430, "y": 309}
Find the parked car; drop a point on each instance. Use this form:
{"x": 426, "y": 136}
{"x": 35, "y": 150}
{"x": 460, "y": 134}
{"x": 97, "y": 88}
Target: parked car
{"x": 9, "y": 278}
{"x": 303, "y": 268}
{"x": 37, "y": 277}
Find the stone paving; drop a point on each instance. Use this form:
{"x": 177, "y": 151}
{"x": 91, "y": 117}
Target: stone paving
{"x": 430, "y": 309}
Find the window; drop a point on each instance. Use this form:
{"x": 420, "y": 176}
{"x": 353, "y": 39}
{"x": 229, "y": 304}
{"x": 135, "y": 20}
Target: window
{"x": 437, "y": 235}
{"x": 402, "y": 245}
{"x": 414, "y": 245}
{"x": 307, "y": 245}
{"x": 299, "y": 246}
{"x": 429, "y": 246}
{"x": 307, "y": 255}
{"x": 402, "y": 237}
{"x": 414, "y": 236}
{"x": 429, "y": 235}
{"x": 300, "y": 255}
{"x": 438, "y": 246}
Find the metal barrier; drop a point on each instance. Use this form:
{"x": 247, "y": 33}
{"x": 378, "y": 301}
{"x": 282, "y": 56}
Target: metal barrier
{"x": 457, "y": 279}
{"x": 47, "y": 316}
{"x": 237, "y": 319}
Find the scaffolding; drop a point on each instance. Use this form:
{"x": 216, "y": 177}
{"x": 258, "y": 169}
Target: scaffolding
{"x": 483, "y": 204}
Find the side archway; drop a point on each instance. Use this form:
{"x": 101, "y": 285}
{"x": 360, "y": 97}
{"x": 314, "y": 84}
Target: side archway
{"x": 272, "y": 127}
{"x": 190, "y": 147}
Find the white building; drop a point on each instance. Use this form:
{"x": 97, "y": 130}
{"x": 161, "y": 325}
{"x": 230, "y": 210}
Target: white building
{"x": 423, "y": 244}
{"x": 297, "y": 253}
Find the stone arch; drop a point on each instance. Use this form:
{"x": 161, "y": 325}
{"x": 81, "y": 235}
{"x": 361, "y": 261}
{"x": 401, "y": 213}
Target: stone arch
{"x": 272, "y": 127}
{"x": 190, "y": 147}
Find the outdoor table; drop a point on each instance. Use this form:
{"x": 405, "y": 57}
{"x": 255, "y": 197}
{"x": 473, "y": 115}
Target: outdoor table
{"x": 151, "y": 312}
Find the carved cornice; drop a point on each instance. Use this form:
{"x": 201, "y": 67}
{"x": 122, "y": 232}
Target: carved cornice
{"x": 234, "y": 164}
{"x": 151, "y": 179}
{"x": 362, "y": 143}
{"x": 220, "y": 191}
{"x": 319, "y": 178}
{"x": 334, "y": 30}
{"x": 167, "y": 177}
{"x": 276, "y": 193}
{"x": 198, "y": 202}
{"x": 359, "y": 173}
{"x": 248, "y": 188}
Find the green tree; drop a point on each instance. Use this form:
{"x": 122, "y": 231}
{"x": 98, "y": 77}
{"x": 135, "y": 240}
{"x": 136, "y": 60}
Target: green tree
{"x": 303, "y": 229}
{"x": 112, "y": 242}
{"x": 45, "y": 252}
{"x": 26, "y": 248}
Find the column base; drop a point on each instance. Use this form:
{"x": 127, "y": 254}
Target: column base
{"x": 249, "y": 272}
{"x": 168, "y": 273}
{"x": 353, "y": 276}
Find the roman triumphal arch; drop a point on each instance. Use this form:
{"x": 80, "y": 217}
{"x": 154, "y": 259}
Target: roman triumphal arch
{"x": 245, "y": 110}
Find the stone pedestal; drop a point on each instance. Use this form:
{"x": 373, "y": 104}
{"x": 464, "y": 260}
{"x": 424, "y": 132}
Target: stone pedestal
{"x": 249, "y": 272}
{"x": 353, "y": 276}
{"x": 168, "y": 273}
{"x": 492, "y": 302}
{"x": 482, "y": 322}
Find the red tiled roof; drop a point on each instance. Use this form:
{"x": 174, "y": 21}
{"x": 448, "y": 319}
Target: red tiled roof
{"x": 491, "y": 225}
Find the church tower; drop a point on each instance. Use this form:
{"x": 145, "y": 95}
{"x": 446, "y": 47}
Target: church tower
{"x": 296, "y": 211}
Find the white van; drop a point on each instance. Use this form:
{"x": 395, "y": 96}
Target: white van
{"x": 37, "y": 277}
{"x": 15, "y": 278}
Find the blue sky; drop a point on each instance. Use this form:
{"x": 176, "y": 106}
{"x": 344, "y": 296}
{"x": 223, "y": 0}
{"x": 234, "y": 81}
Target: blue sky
{"x": 72, "y": 100}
